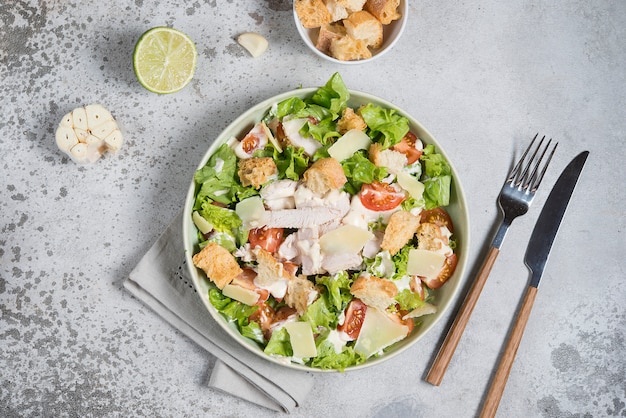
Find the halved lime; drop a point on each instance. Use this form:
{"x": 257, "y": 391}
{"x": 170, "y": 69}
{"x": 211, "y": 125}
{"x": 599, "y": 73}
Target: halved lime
{"x": 164, "y": 60}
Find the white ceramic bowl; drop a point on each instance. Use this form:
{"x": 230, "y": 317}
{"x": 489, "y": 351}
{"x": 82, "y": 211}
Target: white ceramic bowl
{"x": 391, "y": 35}
{"x": 457, "y": 209}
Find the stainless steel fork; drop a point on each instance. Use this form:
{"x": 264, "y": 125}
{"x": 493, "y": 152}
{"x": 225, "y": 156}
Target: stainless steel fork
{"x": 515, "y": 198}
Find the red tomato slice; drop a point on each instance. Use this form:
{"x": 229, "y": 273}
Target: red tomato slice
{"x": 407, "y": 147}
{"x": 437, "y": 216}
{"x": 264, "y": 316}
{"x": 446, "y": 272}
{"x": 406, "y": 322}
{"x": 381, "y": 197}
{"x": 355, "y": 315}
{"x": 267, "y": 238}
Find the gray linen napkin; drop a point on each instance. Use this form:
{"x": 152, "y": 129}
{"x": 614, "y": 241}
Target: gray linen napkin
{"x": 162, "y": 282}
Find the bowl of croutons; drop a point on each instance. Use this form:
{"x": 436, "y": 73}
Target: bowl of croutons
{"x": 350, "y": 31}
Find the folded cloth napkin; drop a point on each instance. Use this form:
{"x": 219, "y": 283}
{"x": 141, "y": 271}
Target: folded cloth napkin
{"x": 162, "y": 282}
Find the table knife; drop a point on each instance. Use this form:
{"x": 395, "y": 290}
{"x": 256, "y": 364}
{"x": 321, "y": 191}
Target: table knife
{"x": 539, "y": 247}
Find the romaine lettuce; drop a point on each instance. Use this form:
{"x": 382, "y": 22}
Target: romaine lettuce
{"x": 327, "y": 358}
{"x": 279, "y": 343}
{"x": 333, "y": 96}
{"x": 338, "y": 286}
{"x": 386, "y": 123}
{"x": 358, "y": 170}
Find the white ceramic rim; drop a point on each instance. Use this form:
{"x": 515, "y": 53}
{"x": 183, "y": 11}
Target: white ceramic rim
{"x": 392, "y": 31}
{"x": 457, "y": 209}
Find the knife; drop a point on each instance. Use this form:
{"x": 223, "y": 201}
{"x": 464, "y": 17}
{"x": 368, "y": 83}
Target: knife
{"x": 539, "y": 247}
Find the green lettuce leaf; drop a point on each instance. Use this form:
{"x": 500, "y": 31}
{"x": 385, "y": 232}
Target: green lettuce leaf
{"x": 320, "y": 314}
{"x": 221, "y": 186}
{"x": 437, "y": 178}
{"x": 408, "y": 300}
{"x": 328, "y": 359}
{"x": 338, "y": 286}
{"x": 333, "y": 96}
{"x": 358, "y": 170}
{"x": 386, "y": 123}
{"x": 279, "y": 343}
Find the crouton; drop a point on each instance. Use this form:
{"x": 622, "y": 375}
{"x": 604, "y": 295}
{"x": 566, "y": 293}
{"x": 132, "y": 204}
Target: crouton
{"x": 312, "y": 13}
{"x": 218, "y": 263}
{"x": 375, "y": 292}
{"x": 256, "y": 171}
{"x": 324, "y": 175}
{"x": 400, "y": 229}
{"x": 327, "y": 33}
{"x": 337, "y": 10}
{"x": 300, "y": 294}
{"x": 395, "y": 161}
{"x": 352, "y": 5}
{"x": 384, "y": 10}
{"x": 362, "y": 25}
{"x": 347, "y": 48}
{"x": 350, "y": 120}
{"x": 429, "y": 237}
{"x": 269, "y": 270}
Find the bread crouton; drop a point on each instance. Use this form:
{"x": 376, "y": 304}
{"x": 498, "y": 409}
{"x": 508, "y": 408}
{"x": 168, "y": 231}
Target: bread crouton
{"x": 429, "y": 237}
{"x": 327, "y": 33}
{"x": 269, "y": 270}
{"x": 362, "y": 25}
{"x": 384, "y": 10}
{"x": 337, "y": 10}
{"x": 375, "y": 292}
{"x": 324, "y": 175}
{"x": 395, "y": 161}
{"x": 300, "y": 294}
{"x": 218, "y": 263}
{"x": 312, "y": 13}
{"x": 256, "y": 171}
{"x": 352, "y": 5}
{"x": 347, "y": 48}
{"x": 400, "y": 229}
{"x": 350, "y": 120}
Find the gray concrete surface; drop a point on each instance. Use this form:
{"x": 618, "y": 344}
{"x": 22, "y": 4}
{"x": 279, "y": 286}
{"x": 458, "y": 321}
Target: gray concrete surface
{"x": 483, "y": 77}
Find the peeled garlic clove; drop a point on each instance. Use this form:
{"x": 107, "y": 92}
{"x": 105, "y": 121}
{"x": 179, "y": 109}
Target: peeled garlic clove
{"x": 104, "y": 129}
{"x": 114, "y": 141}
{"x": 254, "y": 43}
{"x": 66, "y": 138}
{"x": 97, "y": 115}
{"x": 79, "y": 116}
{"x": 67, "y": 121}
{"x": 78, "y": 153}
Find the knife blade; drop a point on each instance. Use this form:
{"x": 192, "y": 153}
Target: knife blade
{"x": 537, "y": 253}
{"x": 549, "y": 220}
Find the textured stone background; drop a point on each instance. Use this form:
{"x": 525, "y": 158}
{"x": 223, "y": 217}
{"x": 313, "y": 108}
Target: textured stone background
{"x": 482, "y": 77}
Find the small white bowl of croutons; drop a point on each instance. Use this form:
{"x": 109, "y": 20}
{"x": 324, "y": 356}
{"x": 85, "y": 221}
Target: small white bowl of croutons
{"x": 350, "y": 31}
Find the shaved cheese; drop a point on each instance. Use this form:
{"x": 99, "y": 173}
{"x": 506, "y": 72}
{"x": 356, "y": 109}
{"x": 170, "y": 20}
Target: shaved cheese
{"x": 301, "y": 338}
{"x": 345, "y": 239}
{"x": 378, "y": 331}
{"x": 348, "y": 144}
{"x": 247, "y": 296}
{"x": 411, "y": 185}
{"x": 252, "y": 212}
{"x": 424, "y": 263}
{"x": 202, "y": 224}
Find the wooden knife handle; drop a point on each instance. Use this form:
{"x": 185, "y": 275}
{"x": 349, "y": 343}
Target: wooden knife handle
{"x": 496, "y": 390}
{"x": 438, "y": 369}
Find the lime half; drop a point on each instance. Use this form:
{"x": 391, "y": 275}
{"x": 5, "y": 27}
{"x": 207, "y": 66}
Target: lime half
{"x": 164, "y": 60}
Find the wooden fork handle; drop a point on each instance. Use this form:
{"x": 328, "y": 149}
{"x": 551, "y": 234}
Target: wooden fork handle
{"x": 490, "y": 406}
{"x": 438, "y": 369}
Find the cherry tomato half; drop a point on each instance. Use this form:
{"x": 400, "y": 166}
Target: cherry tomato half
{"x": 407, "y": 147}
{"x": 446, "y": 272}
{"x": 267, "y": 238}
{"x": 381, "y": 197}
{"x": 355, "y": 315}
{"x": 437, "y": 216}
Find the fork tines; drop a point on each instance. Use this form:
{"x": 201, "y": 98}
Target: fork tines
{"x": 526, "y": 176}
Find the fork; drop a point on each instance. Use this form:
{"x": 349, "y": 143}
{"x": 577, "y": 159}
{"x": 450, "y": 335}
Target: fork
{"x": 514, "y": 200}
